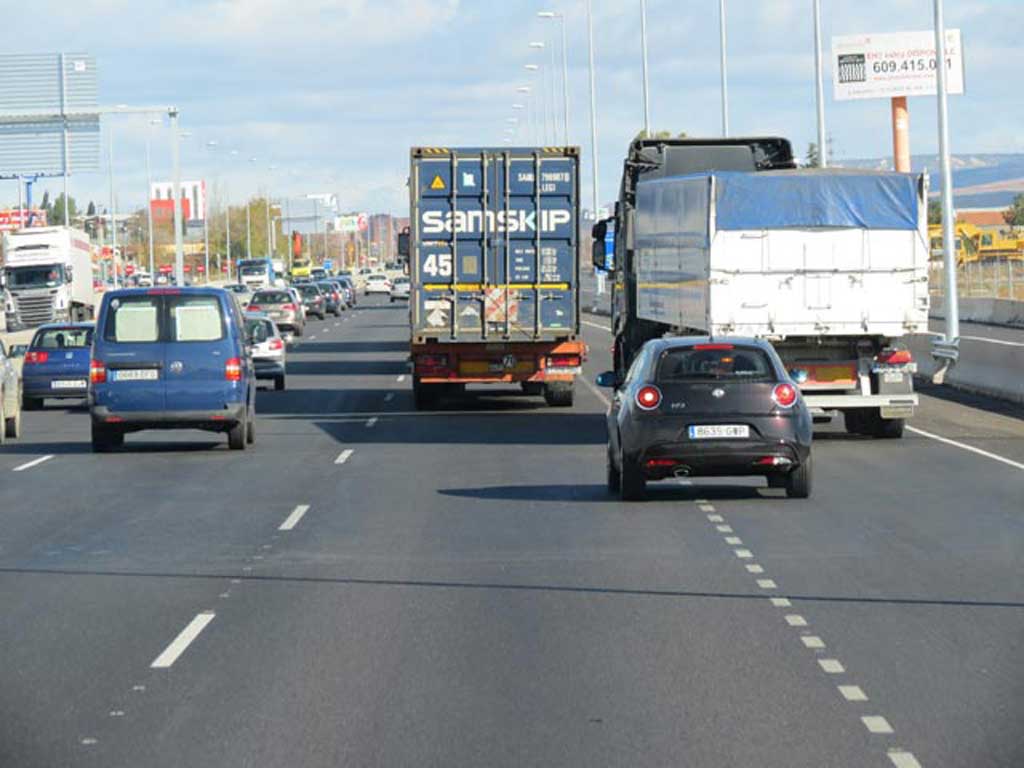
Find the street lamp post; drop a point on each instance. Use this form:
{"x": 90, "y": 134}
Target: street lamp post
{"x": 545, "y": 92}
{"x": 113, "y": 206}
{"x": 149, "y": 196}
{"x": 560, "y": 17}
{"x": 593, "y": 125}
{"x": 643, "y": 56}
{"x": 819, "y": 88}
{"x": 722, "y": 42}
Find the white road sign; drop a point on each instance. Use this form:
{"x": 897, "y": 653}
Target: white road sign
{"x": 901, "y": 64}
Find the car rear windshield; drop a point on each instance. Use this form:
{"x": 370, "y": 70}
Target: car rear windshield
{"x": 147, "y": 318}
{"x": 309, "y": 290}
{"x": 259, "y": 330}
{"x": 63, "y": 338}
{"x": 271, "y": 297}
{"x": 714, "y": 362}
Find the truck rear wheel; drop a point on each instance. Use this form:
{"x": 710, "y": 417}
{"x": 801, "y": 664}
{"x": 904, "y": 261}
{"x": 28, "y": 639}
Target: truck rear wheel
{"x": 532, "y": 387}
{"x": 559, "y": 394}
{"x": 872, "y": 424}
{"x": 425, "y": 396}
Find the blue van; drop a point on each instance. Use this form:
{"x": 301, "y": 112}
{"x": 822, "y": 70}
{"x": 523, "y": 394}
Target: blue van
{"x": 56, "y": 364}
{"x": 170, "y": 358}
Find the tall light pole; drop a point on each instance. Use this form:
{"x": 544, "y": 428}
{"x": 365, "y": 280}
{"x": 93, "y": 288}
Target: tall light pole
{"x": 270, "y": 254}
{"x": 248, "y": 222}
{"x": 565, "y": 70}
{"x": 149, "y": 198}
{"x": 545, "y": 91}
{"x": 206, "y": 225}
{"x": 643, "y": 56}
{"x": 531, "y": 112}
{"x": 819, "y": 88}
{"x": 952, "y": 340}
{"x": 179, "y": 241}
{"x": 593, "y": 125}
{"x": 724, "y": 65}
{"x": 539, "y": 117}
{"x": 113, "y": 206}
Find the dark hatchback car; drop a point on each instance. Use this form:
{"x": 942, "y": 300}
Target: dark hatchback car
{"x": 313, "y": 300}
{"x": 707, "y": 407}
{"x": 56, "y": 364}
{"x": 334, "y": 302}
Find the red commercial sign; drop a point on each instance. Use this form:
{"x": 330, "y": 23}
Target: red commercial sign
{"x": 11, "y": 220}
{"x": 166, "y": 269}
{"x": 129, "y": 269}
{"x": 201, "y": 268}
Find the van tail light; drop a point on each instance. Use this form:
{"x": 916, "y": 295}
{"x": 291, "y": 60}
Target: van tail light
{"x": 233, "y": 369}
{"x": 97, "y": 372}
{"x": 648, "y": 398}
{"x": 784, "y": 395}
{"x": 288, "y": 307}
{"x": 895, "y": 357}
{"x": 254, "y": 308}
{"x": 276, "y": 344}
{"x": 32, "y": 358}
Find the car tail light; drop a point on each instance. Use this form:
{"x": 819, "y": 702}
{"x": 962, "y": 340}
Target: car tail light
{"x": 648, "y": 398}
{"x": 233, "y": 369}
{"x": 661, "y": 463}
{"x": 336, "y": 296}
{"x": 97, "y": 372}
{"x": 36, "y": 357}
{"x": 895, "y": 357}
{"x": 784, "y": 395}
{"x": 254, "y": 308}
{"x": 773, "y": 461}
{"x": 288, "y": 307}
{"x": 564, "y": 361}
{"x": 276, "y": 344}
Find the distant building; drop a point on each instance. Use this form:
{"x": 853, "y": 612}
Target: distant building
{"x": 193, "y": 193}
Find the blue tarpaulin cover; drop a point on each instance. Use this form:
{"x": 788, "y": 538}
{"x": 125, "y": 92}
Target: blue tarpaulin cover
{"x": 802, "y": 199}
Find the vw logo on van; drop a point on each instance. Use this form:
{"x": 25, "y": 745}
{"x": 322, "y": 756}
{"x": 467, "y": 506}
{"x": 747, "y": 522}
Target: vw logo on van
{"x": 177, "y": 366}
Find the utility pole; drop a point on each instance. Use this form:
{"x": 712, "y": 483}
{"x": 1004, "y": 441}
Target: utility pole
{"x": 823, "y": 148}
{"x": 724, "y": 67}
{"x": 179, "y": 244}
{"x": 643, "y": 55}
{"x": 113, "y": 207}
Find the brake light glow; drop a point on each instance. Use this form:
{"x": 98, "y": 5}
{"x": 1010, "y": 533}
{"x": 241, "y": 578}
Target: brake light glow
{"x": 660, "y": 463}
{"x": 895, "y": 357}
{"x": 713, "y": 346}
{"x": 254, "y": 308}
{"x": 97, "y": 372}
{"x": 276, "y": 344}
{"x": 564, "y": 361}
{"x": 233, "y": 369}
{"x": 32, "y": 358}
{"x": 648, "y": 398}
{"x": 784, "y": 395}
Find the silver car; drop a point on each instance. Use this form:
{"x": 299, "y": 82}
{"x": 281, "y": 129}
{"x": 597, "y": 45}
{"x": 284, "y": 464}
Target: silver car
{"x": 400, "y": 289}
{"x": 269, "y": 355}
{"x": 10, "y": 397}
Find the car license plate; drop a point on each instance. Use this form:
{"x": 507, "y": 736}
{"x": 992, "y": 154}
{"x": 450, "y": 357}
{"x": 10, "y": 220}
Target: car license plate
{"x": 712, "y": 431}
{"x": 68, "y": 384}
{"x": 141, "y": 374}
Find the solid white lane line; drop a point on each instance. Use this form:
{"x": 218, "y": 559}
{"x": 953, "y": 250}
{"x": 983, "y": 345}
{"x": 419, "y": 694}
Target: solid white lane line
{"x": 903, "y": 759}
{"x": 371, "y": 421}
{"x": 597, "y": 392}
{"x": 33, "y": 463}
{"x": 781, "y": 602}
{"x": 755, "y": 568}
{"x": 293, "y": 519}
{"x": 743, "y": 554}
{"x": 343, "y": 456}
{"x": 597, "y": 325}
{"x": 183, "y": 640}
{"x": 1001, "y": 342}
{"x": 796, "y": 620}
{"x": 734, "y": 540}
{"x": 767, "y": 584}
{"x": 400, "y": 378}
{"x": 876, "y": 724}
{"x": 852, "y": 693}
{"x": 812, "y": 641}
{"x": 965, "y": 447}
{"x": 715, "y": 518}
{"x": 832, "y": 666}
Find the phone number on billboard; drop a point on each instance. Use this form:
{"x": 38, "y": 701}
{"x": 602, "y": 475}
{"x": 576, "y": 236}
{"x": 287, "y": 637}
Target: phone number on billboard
{"x": 890, "y": 66}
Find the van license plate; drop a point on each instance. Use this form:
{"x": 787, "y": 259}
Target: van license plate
{"x": 141, "y": 374}
{"x": 68, "y": 384}
{"x": 712, "y": 431}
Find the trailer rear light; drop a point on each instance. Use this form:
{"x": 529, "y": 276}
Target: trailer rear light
{"x": 32, "y": 358}
{"x": 432, "y": 363}
{"x": 276, "y": 344}
{"x": 784, "y": 395}
{"x": 233, "y": 369}
{"x": 564, "y": 361}
{"x": 97, "y": 372}
{"x": 713, "y": 346}
{"x": 648, "y": 398}
{"x": 661, "y": 463}
{"x": 895, "y": 357}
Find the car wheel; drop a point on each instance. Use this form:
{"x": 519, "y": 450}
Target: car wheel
{"x": 614, "y": 478}
{"x": 632, "y": 484}
{"x": 798, "y": 482}
{"x": 250, "y": 430}
{"x": 12, "y": 425}
{"x": 3, "y": 432}
{"x": 102, "y": 439}
{"x": 885, "y": 429}
{"x": 776, "y": 481}
{"x": 31, "y": 403}
{"x": 279, "y": 383}
{"x": 236, "y": 436}
{"x": 559, "y": 394}
{"x": 299, "y": 330}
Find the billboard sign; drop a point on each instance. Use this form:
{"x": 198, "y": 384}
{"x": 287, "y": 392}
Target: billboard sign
{"x": 890, "y": 65}
{"x": 11, "y": 220}
{"x": 347, "y": 225}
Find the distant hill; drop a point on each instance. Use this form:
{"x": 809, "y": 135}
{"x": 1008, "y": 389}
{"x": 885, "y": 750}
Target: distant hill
{"x": 979, "y": 181}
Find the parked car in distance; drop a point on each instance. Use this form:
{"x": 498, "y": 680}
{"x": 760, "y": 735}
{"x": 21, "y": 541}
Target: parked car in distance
{"x": 699, "y": 406}
{"x": 400, "y": 289}
{"x": 170, "y": 358}
{"x": 56, "y": 364}
{"x": 313, "y": 300}
{"x": 282, "y": 307}
{"x": 10, "y": 397}
{"x": 269, "y": 355}
{"x": 332, "y": 297}
{"x": 377, "y": 283}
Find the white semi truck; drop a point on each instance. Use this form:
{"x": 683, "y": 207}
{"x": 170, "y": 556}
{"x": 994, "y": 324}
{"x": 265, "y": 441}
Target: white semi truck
{"x": 47, "y": 277}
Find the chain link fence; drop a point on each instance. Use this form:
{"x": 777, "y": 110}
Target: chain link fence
{"x": 990, "y": 279}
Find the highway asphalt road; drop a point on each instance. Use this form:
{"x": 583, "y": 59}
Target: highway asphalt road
{"x": 371, "y": 586}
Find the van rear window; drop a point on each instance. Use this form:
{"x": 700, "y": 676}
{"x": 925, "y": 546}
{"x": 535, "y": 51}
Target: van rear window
{"x": 714, "y": 362}
{"x": 134, "y": 319}
{"x": 195, "y": 318}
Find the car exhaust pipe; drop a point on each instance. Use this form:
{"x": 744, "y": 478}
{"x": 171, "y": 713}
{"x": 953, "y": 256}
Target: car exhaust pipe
{"x": 681, "y": 472}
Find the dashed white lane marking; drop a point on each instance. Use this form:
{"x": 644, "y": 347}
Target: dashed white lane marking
{"x": 88, "y": 741}
{"x": 33, "y": 463}
{"x": 852, "y": 693}
{"x": 183, "y": 640}
{"x": 723, "y": 528}
{"x": 743, "y": 554}
{"x": 312, "y": 338}
{"x": 344, "y": 456}
{"x": 389, "y": 397}
{"x": 876, "y": 724}
{"x": 597, "y": 325}
{"x": 597, "y": 392}
{"x": 293, "y": 519}
{"x": 715, "y": 518}
{"x": 969, "y": 448}
{"x": 903, "y": 759}
{"x": 371, "y": 421}
{"x": 755, "y": 568}
{"x": 733, "y": 540}
{"x": 705, "y": 507}
{"x": 832, "y": 666}
{"x": 400, "y": 378}
{"x": 767, "y": 584}
{"x": 781, "y": 602}
{"x": 812, "y": 641}
{"x": 796, "y": 620}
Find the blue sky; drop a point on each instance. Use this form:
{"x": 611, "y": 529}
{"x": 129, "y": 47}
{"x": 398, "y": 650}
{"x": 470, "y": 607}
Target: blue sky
{"x": 333, "y": 93}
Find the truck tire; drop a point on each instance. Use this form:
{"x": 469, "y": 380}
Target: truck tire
{"x": 299, "y": 330}
{"x": 532, "y": 388}
{"x": 280, "y": 382}
{"x": 614, "y": 478}
{"x": 559, "y": 394}
{"x": 250, "y": 428}
{"x": 870, "y": 422}
{"x": 236, "y": 436}
{"x": 632, "y": 484}
{"x": 425, "y": 396}
{"x": 798, "y": 482}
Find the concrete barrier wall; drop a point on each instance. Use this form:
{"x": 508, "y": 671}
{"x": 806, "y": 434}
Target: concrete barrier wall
{"x": 985, "y": 368}
{"x": 990, "y": 311}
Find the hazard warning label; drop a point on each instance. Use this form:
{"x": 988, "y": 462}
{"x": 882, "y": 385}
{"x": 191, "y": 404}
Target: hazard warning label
{"x": 437, "y": 183}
